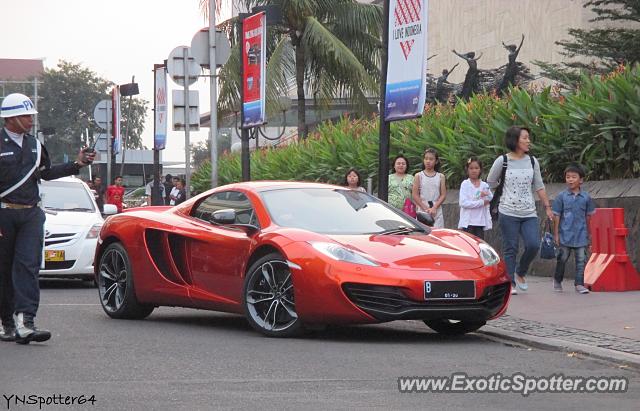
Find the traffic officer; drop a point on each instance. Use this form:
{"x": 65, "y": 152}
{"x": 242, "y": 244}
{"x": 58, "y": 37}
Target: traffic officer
{"x": 23, "y": 162}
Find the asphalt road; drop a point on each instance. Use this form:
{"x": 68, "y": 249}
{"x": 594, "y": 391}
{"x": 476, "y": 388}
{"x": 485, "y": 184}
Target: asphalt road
{"x": 182, "y": 359}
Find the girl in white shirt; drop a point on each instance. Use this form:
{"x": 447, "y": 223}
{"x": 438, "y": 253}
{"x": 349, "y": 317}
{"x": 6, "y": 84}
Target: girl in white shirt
{"x": 475, "y": 197}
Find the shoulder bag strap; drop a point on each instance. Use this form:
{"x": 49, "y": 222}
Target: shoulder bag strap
{"x": 29, "y": 174}
{"x": 503, "y": 174}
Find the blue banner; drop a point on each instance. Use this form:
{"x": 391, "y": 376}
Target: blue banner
{"x": 406, "y": 80}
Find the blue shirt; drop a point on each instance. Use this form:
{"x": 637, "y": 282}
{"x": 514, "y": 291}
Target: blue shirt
{"x": 573, "y": 210}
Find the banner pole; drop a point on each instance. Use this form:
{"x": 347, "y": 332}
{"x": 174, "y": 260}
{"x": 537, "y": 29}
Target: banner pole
{"x": 385, "y": 129}
{"x": 213, "y": 95}
{"x": 245, "y": 156}
{"x": 155, "y": 200}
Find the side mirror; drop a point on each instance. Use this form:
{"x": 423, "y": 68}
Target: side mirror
{"x": 226, "y": 216}
{"x": 109, "y": 209}
{"x": 425, "y": 218}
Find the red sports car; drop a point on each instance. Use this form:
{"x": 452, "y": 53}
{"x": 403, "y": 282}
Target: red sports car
{"x": 289, "y": 255}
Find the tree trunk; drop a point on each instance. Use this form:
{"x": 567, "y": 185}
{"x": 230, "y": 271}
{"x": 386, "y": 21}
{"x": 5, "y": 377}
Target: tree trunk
{"x": 300, "y": 66}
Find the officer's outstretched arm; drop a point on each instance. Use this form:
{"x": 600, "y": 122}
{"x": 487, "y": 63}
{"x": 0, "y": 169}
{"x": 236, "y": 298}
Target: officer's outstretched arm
{"x": 49, "y": 172}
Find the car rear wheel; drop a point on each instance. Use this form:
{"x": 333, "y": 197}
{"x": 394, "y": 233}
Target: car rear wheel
{"x": 268, "y": 297}
{"x": 454, "y": 327}
{"x": 115, "y": 285}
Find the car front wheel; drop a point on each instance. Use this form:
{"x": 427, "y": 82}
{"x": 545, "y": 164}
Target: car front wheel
{"x": 115, "y": 285}
{"x": 268, "y": 297}
{"x": 454, "y": 327}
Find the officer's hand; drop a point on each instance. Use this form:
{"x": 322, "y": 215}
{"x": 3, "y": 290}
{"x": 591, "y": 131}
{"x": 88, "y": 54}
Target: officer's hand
{"x": 86, "y": 156}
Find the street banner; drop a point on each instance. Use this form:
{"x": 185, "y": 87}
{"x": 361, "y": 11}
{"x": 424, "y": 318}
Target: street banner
{"x": 254, "y": 33}
{"x": 160, "y": 113}
{"x": 407, "y": 59}
{"x": 117, "y": 138}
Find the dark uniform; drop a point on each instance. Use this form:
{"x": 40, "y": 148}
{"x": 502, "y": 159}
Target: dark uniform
{"x": 22, "y": 224}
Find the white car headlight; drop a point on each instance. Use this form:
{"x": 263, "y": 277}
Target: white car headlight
{"x": 488, "y": 255}
{"x": 94, "y": 231}
{"x": 340, "y": 253}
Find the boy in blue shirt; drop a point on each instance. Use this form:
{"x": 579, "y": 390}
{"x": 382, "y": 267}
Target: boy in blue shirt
{"x": 572, "y": 209}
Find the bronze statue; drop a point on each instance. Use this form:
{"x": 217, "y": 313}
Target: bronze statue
{"x": 471, "y": 80}
{"x": 495, "y": 80}
{"x": 512, "y": 67}
{"x": 443, "y": 95}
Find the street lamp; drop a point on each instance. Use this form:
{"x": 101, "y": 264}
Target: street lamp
{"x": 129, "y": 89}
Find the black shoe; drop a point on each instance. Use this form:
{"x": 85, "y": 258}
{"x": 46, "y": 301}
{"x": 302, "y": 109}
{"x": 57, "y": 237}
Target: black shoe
{"x": 8, "y": 334}
{"x": 26, "y": 330}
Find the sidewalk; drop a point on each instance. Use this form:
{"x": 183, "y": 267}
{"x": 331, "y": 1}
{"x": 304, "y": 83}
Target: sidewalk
{"x": 605, "y": 325}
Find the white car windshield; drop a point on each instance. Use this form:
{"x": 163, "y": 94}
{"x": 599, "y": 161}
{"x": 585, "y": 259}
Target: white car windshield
{"x": 336, "y": 211}
{"x": 66, "y": 196}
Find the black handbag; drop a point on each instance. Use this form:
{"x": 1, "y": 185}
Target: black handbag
{"x": 547, "y": 243}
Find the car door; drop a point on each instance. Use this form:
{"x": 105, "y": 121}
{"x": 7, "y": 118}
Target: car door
{"x": 218, "y": 262}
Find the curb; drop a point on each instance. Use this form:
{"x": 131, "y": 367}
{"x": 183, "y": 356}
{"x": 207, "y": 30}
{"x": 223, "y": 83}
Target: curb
{"x": 554, "y": 344}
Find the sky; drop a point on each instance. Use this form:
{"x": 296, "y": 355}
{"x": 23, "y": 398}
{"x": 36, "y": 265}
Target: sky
{"x": 116, "y": 39}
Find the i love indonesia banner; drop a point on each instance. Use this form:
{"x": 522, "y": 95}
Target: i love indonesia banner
{"x": 116, "y": 117}
{"x": 160, "y": 112}
{"x": 407, "y": 59}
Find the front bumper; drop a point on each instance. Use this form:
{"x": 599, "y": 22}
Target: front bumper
{"x": 388, "y": 303}
{"x": 78, "y": 260}
{"x": 335, "y": 292}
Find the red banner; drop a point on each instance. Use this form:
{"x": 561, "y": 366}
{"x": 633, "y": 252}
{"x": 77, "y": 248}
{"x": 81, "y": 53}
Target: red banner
{"x": 253, "y": 73}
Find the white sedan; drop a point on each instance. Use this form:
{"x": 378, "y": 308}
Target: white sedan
{"x": 71, "y": 229}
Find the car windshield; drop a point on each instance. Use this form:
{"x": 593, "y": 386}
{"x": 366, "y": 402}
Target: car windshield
{"x": 336, "y": 211}
{"x": 66, "y": 196}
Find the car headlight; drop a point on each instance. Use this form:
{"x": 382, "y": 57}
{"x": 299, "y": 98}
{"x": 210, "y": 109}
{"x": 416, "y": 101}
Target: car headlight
{"x": 340, "y": 253}
{"x": 488, "y": 255}
{"x": 94, "y": 231}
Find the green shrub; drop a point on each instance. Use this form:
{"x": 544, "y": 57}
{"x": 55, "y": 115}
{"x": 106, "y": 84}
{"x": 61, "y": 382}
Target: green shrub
{"x": 598, "y": 126}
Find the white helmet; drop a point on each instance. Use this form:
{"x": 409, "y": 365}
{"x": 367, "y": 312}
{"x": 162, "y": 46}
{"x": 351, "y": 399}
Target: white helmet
{"x": 17, "y": 104}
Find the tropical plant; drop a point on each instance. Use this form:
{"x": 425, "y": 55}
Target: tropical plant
{"x": 597, "y": 125}
{"x": 324, "y": 48}
{"x": 604, "y": 46}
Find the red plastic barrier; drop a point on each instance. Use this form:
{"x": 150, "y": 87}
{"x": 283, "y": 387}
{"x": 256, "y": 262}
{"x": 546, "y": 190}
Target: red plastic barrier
{"x": 609, "y": 267}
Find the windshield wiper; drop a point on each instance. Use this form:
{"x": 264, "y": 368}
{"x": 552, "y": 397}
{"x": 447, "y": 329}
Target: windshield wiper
{"x": 401, "y": 230}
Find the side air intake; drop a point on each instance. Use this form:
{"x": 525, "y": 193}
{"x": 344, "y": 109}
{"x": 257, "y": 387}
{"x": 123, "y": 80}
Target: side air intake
{"x": 164, "y": 257}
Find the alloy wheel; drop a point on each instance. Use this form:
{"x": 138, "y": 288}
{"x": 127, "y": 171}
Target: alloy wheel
{"x": 112, "y": 280}
{"x": 269, "y": 296}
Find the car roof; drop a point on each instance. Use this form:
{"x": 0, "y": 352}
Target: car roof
{"x": 70, "y": 179}
{"x": 260, "y": 186}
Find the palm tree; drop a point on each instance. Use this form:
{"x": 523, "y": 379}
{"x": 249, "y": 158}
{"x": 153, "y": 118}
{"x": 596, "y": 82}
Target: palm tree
{"x": 325, "y": 48}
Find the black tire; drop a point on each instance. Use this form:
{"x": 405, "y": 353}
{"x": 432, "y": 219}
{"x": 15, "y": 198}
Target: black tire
{"x": 453, "y": 327}
{"x": 268, "y": 298}
{"x": 116, "y": 287}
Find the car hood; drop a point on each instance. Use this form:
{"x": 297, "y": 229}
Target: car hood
{"x": 72, "y": 219}
{"x": 443, "y": 249}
